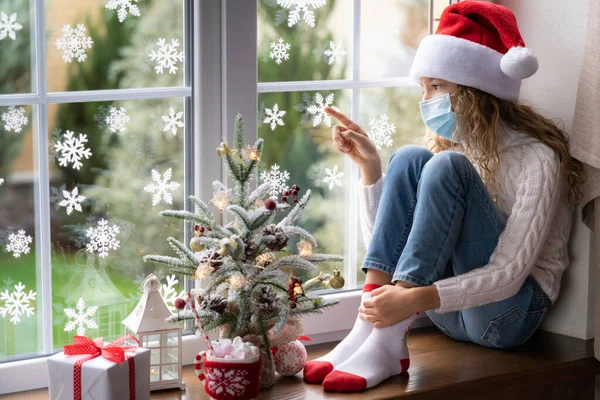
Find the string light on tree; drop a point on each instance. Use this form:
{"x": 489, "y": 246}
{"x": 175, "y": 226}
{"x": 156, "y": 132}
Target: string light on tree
{"x": 304, "y": 247}
{"x": 238, "y": 281}
{"x": 251, "y": 153}
{"x": 203, "y": 271}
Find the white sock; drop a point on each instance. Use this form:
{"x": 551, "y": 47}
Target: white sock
{"x": 316, "y": 370}
{"x": 382, "y": 355}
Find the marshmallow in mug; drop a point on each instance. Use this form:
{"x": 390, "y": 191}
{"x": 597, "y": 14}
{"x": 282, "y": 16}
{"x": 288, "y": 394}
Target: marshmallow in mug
{"x": 236, "y": 349}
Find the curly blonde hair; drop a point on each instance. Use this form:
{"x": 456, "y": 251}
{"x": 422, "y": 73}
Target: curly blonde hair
{"x": 478, "y": 131}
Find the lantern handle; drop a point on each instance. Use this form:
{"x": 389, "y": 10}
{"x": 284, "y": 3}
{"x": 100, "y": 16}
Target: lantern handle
{"x": 150, "y": 284}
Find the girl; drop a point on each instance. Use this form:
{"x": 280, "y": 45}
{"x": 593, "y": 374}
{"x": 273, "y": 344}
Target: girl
{"x": 473, "y": 228}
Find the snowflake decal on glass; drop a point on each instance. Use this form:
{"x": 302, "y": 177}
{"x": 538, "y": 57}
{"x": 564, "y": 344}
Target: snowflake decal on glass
{"x": 173, "y": 121}
{"x": 279, "y": 51}
{"x": 72, "y": 200}
{"x": 117, "y": 120}
{"x": 161, "y": 187}
{"x": 381, "y": 131}
{"x": 123, "y": 6}
{"x": 226, "y": 380}
{"x": 102, "y": 239}
{"x": 18, "y": 243}
{"x": 167, "y": 56}
{"x": 9, "y": 26}
{"x": 72, "y": 150}
{"x": 300, "y": 9}
{"x": 14, "y": 119}
{"x": 333, "y": 177}
{"x": 80, "y": 318}
{"x": 17, "y": 303}
{"x": 74, "y": 43}
{"x": 169, "y": 292}
{"x": 274, "y": 116}
{"x": 335, "y": 53}
{"x": 317, "y": 109}
{"x": 277, "y": 179}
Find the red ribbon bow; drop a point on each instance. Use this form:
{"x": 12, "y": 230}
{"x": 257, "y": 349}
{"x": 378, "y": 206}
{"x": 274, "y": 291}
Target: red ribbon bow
{"x": 114, "y": 351}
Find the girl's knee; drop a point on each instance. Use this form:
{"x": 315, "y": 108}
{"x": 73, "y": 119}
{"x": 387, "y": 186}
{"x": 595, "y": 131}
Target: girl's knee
{"x": 409, "y": 153}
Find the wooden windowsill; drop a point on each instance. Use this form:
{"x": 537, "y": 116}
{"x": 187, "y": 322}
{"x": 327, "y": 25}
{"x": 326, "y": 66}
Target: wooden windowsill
{"x": 548, "y": 366}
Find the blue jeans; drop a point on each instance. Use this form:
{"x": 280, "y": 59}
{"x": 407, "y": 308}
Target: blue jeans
{"x": 435, "y": 220}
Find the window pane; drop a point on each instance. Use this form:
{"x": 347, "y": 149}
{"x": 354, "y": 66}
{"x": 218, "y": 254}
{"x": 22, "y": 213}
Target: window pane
{"x": 15, "y": 47}
{"x": 113, "y": 168}
{"x": 438, "y": 8}
{"x": 390, "y": 35}
{"x": 302, "y": 147}
{"x": 91, "y": 46}
{"x": 20, "y": 303}
{"x": 317, "y": 45}
{"x": 392, "y": 119}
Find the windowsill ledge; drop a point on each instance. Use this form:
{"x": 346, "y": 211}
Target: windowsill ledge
{"x": 442, "y": 368}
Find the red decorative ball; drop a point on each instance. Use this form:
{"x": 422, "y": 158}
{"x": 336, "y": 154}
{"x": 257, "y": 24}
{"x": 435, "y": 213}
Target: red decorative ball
{"x": 270, "y": 204}
{"x": 179, "y": 303}
{"x": 284, "y": 198}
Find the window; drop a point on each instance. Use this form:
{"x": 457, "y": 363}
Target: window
{"x": 95, "y": 132}
{"x": 351, "y": 54}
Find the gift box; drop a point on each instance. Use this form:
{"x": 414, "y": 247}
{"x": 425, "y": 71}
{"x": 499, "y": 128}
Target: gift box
{"x": 88, "y": 370}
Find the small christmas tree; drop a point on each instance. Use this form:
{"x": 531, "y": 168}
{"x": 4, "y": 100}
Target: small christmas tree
{"x": 247, "y": 273}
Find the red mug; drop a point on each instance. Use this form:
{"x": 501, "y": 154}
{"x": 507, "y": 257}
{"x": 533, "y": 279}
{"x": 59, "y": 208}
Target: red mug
{"x": 229, "y": 379}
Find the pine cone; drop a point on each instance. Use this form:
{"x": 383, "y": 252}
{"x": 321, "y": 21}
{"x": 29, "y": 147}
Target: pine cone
{"x": 249, "y": 249}
{"x": 280, "y": 237}
{"x": 214, "y": 258}
{"x": 267, "y": 300}
{"x": 214, "y": 303}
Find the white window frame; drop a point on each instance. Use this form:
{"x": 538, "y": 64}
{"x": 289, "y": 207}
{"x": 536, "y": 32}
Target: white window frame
{"x": 332, "y": 325}
{"x": 31, "y": 373}
{"x": 223, "y": 61}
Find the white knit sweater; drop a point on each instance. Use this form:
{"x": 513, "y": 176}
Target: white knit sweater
{"x": 532, "y": 197}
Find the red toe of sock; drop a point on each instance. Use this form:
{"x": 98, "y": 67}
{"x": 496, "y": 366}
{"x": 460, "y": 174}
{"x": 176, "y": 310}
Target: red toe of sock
{"x": 339, "y": 381}
{"x": 316, "y": 371}
{"x": 404, "y": 364}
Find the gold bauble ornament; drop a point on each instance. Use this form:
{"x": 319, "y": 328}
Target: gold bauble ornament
{"x": 337, "y": 281}
{"x": 195, "y": 244}
{"x": 222, "y": 149}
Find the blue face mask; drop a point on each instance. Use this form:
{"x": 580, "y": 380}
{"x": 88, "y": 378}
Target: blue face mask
{"x": 438, "y": 115}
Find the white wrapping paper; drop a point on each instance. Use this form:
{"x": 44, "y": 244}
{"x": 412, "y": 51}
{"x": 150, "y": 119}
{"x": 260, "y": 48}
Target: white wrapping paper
{"x": 101, "y": 379}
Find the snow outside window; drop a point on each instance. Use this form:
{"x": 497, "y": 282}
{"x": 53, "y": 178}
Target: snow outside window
{"x": 352, "y": 55}
{"x": 95, "y": 101}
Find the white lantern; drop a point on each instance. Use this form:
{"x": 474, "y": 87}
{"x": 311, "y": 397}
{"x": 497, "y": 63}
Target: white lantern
{"x": 148, "y": 323}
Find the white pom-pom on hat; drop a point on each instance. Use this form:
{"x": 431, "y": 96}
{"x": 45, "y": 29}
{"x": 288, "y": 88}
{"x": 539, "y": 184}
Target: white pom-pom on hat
{"x": 519, "y": 63}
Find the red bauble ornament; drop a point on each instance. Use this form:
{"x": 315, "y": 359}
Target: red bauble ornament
{"x": 290, "y": 358}
{"x": 179, "y": 303}
{"x": 270, "y": 204}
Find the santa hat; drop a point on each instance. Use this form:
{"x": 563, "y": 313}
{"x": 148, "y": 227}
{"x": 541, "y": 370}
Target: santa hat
{"x": 477, "y": 44}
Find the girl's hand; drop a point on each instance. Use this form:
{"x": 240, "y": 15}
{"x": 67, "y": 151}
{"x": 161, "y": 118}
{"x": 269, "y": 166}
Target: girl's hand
{"x": 390, "y": 305}
{"x": 352, "y": 140}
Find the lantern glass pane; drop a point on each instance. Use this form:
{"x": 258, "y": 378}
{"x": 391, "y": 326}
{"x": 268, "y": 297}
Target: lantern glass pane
{"x": 171, "y": 339}
{"x": 170, "y": 355}
{"x": 170, "y": 372}
{"x": 152, "y": 341}
{"x": 154, "y": 373}
{"x": 155, "y": 356}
